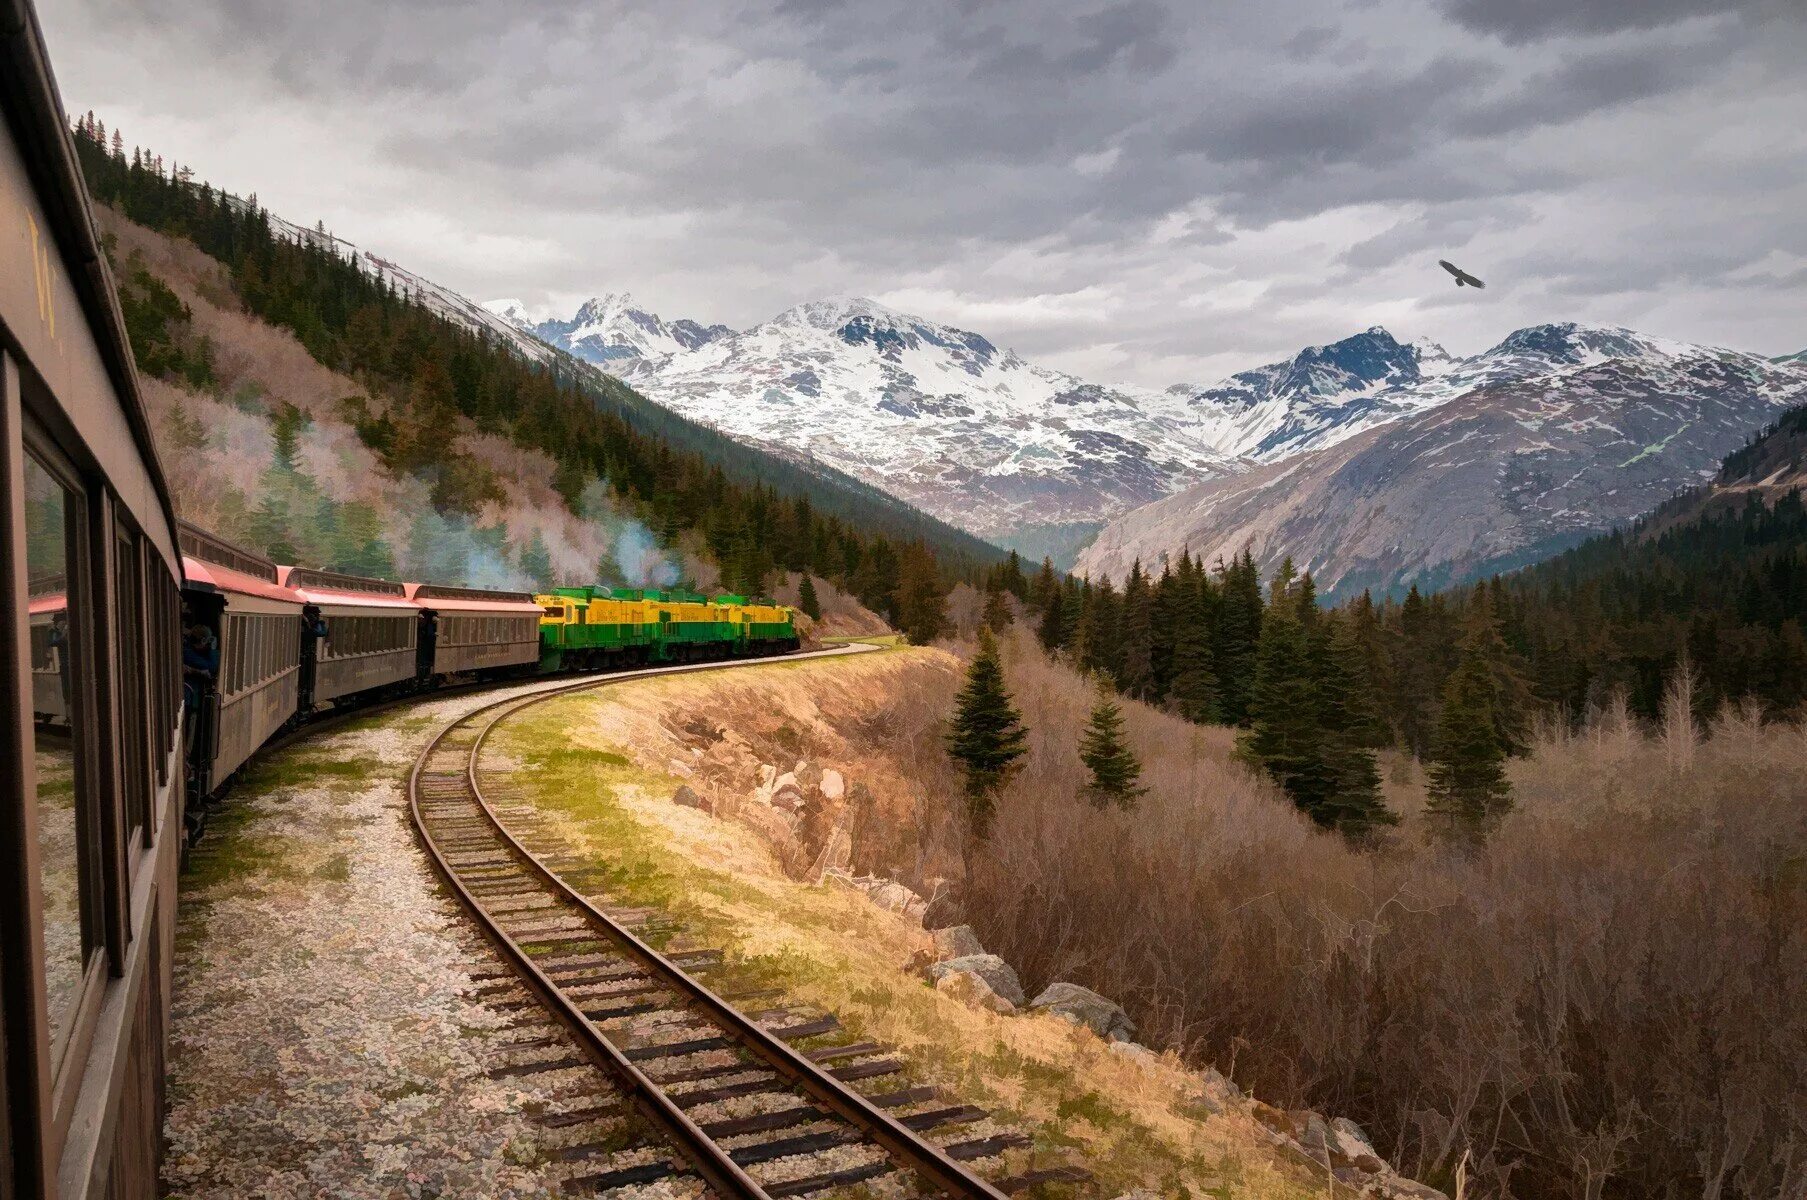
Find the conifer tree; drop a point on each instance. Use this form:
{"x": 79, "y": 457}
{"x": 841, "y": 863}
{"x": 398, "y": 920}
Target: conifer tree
{"x": 807, "y": 599}
{"x": 997, "y": 612}
{"x": 1238, "y": 636}
{"x": 1285, "y": 736}
{"x": 1135, "y": 673}
{"x": 1353, "y": 804}
{"x": 536, "y": 561}
{"x": 985, "y": 737}
{"x": 1116, "y": 772}
{"x": 1045, "y": 590}
{"x": 1193, "y": 693}
{"x": 1468, "y": 789}
{"x": 1050, "y": 631}
{"x": 920, "y": 600}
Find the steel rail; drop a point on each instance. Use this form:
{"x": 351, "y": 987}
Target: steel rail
{"x": 907, "y": 1149}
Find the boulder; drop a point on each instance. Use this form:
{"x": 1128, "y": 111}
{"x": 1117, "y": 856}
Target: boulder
{"x": 999, "y": 975}
{"x": 1135, "y": 1050}
{"x": 895, "y": 897}
{"x": 1349, "y": 1146}
{"x": 686, "y": 797}
{"x": 957, "y": 941}
{"x": 1083, "y": 1006}
{"x": 833, "y": 786}
{"x": 973, "y": 990}
{"x": 1218, "y": 1086}
{"x": 680, "y": 768}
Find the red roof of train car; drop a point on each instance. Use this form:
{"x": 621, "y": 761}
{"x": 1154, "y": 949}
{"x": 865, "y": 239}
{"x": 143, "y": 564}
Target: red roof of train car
{"x": 474, "y": 601}
{"x": 325, "y": 594}
{"x": 225, "y": 579}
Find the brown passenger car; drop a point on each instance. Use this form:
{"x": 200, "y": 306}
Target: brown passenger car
{"x": 359, "y": 634}
{"x": 469, "y": 631}
{"x": 91, "y": 778}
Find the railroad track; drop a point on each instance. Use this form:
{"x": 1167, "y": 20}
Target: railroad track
{"x": 675, "y": 1048}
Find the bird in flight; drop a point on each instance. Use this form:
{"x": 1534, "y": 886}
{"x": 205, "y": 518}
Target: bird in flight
{"x": 1462, "y": 277}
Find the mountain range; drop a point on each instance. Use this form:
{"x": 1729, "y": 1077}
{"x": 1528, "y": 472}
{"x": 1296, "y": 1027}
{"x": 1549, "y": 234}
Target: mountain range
{"x": 1557, "y": 433}
{"x": 1047, "y": 463}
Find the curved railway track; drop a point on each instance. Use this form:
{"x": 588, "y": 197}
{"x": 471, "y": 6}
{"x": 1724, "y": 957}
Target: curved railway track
{"x": 665, "y": 1039}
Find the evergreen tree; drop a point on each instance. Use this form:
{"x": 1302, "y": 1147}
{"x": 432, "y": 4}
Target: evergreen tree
{"x": 997, "y": 612}
{"x": 1051, "y": 629}
{"x": 1238, "y": 637}
{"x": 1116, "y": 772}
{"x": 921, "y": 601}
{"x": 1044, "y": 593}
{"x": 807, "y": 600}
{"x": 1285, "y": 737}
{"x": 536, "y": 562}
{"x": 1468, "y": 789}
{"x": 1135, "y": 675}
{"x": 1193, "y": 693}
{"x": 985, "y": 737}
{"x": 1353, "y": 804}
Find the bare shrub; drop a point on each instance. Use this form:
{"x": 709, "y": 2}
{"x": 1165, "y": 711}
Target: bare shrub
{"x": 1611, "y": 1001}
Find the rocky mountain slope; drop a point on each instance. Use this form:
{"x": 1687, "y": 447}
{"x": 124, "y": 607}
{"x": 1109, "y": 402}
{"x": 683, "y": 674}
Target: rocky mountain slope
{"x": 1568, "y": 431}
{"x": 939, "y": 416}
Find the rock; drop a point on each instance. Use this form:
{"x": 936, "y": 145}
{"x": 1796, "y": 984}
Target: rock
{"x": 999, "y": 975}
{"x": 973, "y": 990}
{"x": 833, "y": 786}
{"x": 1219, "y": 1086}
{"x": 768, "y": 774}
{"x": 957, "y": 941}
{"x": 1135, "y": 1050}
{"x": 680, "y": 768}
{"x": 1139, "y": 1194}
{"x": 895, "y": 897}
{"x": 1351, "y": 1147}
{"x": 790, "y": 799}
{"x": 1085, "y": 1007}
{"x": 686, "y": 796}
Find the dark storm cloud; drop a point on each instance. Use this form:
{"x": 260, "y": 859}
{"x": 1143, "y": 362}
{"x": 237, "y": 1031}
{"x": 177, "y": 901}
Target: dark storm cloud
{"x": 1521, "y": 21}
{"x": 1130, "y": 156}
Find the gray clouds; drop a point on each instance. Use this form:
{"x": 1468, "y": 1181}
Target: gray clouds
{"x": 1127, "y": 188}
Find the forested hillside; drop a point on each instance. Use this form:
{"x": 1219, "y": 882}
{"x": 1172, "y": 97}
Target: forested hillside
{"x": 1713, "y": 585}
{"x": 428, "y": 390}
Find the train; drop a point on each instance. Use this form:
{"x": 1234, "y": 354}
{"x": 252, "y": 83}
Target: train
{"x": 287, "y": 643}
{"x": 112, "y": 738}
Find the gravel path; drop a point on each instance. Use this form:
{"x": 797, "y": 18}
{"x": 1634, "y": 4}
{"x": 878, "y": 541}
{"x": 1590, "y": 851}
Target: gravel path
{"x": 333, "y": 1032}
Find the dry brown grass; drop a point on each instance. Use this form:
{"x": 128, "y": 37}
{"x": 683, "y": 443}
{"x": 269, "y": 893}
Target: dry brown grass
{"x": 1610, "y": 1001}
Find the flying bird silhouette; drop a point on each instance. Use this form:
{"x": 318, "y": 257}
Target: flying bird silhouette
{"x": 1462, "y": 277}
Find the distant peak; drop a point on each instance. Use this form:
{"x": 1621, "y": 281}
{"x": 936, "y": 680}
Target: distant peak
{"x": 832, "y": 312}
{"x": 606, "y": 304}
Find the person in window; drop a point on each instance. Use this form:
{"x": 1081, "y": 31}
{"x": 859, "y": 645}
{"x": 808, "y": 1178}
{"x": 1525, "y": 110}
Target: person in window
{"x": 200, "y": 662}
{"x": 59, "y": 654}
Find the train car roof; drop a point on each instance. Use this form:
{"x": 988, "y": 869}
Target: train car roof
{"x": 211, "y": 576}
{"x": 442, "y": 598}
{"x": 330, "y": 587}
{"x": 69, "y": 354}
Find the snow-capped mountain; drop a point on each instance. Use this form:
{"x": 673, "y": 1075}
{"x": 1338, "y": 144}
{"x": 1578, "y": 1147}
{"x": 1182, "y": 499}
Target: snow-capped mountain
{"x": 939, "y": 416}
{"x": 1557, "y": 433}
{"x": 611, "y": 331}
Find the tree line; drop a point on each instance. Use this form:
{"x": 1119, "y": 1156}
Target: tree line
{"x": 1453, "y": 677}
{"x": 754, "y": 514}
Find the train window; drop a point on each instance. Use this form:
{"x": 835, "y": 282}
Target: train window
{"x": 134, "y": 742}
{"x": 66, "y": 864}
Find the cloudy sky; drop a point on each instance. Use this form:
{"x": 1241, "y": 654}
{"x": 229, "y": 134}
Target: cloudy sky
{"x": 1148, "y": 191}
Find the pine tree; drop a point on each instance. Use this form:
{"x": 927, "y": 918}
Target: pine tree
{"x": 1116, "y": 772}
{"x": 997, "y": 612}
{"x": 1135, "y": 675}
{"x": 1193, "y": 693}
{"x": 536, "y": 562}
{"x": 920, "y": 599}
{"x": 1044, "y": 592}
{"x": 1353, "y": 804}
{"x": 1285, "y": 737}
{"x": 1238, "y": 637}
{"x": 985, "y": 737}
{"x": 1051, "y": 629}
{"x": 807, "y": 600}
{"x": 1468, "y": 789}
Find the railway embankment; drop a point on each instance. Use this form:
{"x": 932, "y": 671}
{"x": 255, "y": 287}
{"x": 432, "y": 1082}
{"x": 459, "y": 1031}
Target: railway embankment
{"x": 771, "y": 812}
